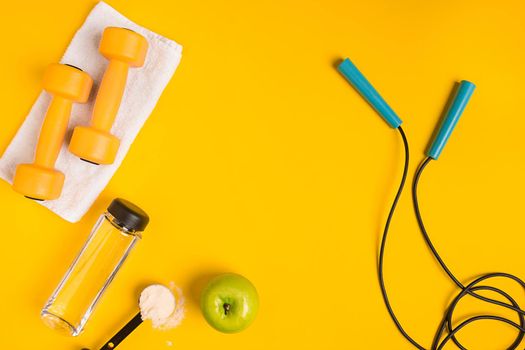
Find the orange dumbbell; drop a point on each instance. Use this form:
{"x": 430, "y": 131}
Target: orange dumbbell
{"x": 123, "y": 48}
{"x": 41, "y": 180}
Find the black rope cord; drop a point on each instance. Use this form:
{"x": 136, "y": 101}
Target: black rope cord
{"x": 447, "y": 329}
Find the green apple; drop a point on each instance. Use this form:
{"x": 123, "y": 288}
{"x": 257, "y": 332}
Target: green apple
{"x": 229, "y": 303}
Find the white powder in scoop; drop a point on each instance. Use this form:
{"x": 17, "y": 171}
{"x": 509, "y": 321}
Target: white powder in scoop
{"x": 158, "y": 304}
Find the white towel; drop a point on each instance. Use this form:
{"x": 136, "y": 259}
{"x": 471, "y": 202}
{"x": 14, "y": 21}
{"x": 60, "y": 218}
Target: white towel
{"x": 84, "y": 181}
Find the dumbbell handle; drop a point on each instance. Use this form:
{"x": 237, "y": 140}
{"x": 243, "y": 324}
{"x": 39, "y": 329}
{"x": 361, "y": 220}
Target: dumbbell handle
{"x": 53, "y": 132}
{"x": 456, "y": 108}
{"x": 109, "y": 95}
{"x": 363, "y": 86}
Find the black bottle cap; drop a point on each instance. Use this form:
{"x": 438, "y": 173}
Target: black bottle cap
{"x": 128, "y": 215}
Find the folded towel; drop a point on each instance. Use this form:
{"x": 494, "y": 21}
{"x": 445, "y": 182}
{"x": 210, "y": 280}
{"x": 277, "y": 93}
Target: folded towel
{"x": 84, "y": 181}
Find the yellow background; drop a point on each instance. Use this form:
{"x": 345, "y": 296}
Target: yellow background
{"x": 260, "y": 159}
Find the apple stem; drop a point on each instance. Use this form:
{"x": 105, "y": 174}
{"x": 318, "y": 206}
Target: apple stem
{"x": 227, "y": 307}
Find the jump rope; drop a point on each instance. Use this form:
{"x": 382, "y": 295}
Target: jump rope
{"x": 448, "y": 329}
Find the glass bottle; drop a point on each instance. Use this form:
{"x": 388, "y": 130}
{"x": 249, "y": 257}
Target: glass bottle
{"x": 111, "y": 240}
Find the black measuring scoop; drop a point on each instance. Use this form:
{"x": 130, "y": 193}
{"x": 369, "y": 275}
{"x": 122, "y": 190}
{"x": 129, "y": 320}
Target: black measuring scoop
{"x": 123, "y": 333}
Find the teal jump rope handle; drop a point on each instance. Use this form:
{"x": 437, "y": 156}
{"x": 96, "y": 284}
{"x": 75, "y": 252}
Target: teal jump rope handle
{"x": 363, "y": 86}
{"x": 463, "y": 94}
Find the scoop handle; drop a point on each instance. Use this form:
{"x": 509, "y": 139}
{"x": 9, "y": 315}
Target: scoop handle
{"x": 123, "y": 333}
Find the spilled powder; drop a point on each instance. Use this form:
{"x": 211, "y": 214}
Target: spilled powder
{"x": 163, "y": 305}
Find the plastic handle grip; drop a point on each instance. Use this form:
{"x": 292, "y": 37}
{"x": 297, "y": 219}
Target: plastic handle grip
{"x": 363, "y": 86}
{"x": 463, "y": 94}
